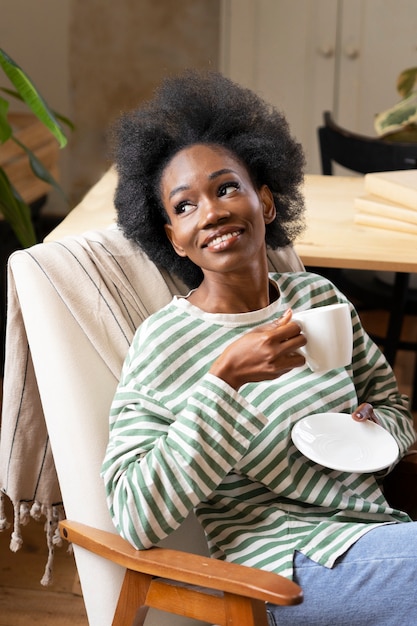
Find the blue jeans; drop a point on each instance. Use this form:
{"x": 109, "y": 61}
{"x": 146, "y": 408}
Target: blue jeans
{"x": 373, "y": 584}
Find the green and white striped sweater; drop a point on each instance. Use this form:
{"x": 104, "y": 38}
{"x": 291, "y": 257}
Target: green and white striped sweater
{"x": 182, "y": 439}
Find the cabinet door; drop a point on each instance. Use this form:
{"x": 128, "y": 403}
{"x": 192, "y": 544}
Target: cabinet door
{"x": 378, "y": 39}
{"x": 285, "y": 51}
{"x": 308, "y": 56}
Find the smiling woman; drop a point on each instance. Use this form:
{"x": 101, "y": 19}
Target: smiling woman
{"x": 217, "y": 220}
{"x": 215, "y": 381}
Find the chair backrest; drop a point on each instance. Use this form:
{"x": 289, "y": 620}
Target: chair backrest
{"x": 360, "y": 153}
{"x": 76, "y": 387}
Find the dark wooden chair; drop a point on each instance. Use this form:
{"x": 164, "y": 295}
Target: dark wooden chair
{"x": 362, "y": 154}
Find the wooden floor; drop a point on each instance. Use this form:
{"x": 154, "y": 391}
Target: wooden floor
{"x": 24, "y": 602}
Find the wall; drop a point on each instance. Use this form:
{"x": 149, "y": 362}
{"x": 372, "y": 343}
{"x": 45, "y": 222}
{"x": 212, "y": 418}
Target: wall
{"x": 92, "y": 59}
{"x": 119, "y": 53}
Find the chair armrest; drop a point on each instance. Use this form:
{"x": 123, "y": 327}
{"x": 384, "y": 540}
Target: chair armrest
{"x": 185, "y": 567}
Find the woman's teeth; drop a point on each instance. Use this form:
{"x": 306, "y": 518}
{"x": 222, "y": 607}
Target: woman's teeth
{"x": 217, "y": 240}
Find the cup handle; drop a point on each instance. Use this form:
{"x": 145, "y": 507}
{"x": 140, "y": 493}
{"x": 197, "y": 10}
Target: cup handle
{"x": 309, "y": 361}
{"x": 303, "y": 350}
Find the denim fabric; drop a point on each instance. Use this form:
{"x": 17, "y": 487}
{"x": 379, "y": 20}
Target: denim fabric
{"x": 373, "y": 584}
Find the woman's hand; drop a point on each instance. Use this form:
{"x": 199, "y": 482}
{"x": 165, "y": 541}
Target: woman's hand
{"x": 264, "y": 353}
{"x": 365, "y": 411}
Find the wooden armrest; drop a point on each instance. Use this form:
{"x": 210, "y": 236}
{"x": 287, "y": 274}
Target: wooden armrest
{"x": 184, "y": 567}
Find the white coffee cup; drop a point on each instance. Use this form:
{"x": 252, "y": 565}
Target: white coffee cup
{"x": 329, "y": 334}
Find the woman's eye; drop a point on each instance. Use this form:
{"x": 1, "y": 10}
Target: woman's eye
{"x": 227, "y": 188}
{"x": 183, "y": 207}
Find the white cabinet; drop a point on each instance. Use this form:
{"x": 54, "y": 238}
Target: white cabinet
{"x": 308, "y": 56}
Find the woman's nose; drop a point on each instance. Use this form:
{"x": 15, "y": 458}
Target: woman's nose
{"x": 212, "y": 212}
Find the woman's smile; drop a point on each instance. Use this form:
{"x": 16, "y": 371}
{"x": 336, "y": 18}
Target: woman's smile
{"x": 222, "y": 241}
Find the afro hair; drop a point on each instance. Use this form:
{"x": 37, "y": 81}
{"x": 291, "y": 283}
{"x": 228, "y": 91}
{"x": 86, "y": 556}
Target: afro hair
{"x": 203, "y": 108}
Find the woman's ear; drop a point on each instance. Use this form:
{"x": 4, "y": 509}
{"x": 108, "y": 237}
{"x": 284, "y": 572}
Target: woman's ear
{"x": 268, "y": 204}
{"x": 170, "y": 234}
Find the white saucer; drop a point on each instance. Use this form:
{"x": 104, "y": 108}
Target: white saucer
{"x": 336, "y": 441}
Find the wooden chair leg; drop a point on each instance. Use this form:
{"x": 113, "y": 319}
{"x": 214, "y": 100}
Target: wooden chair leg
{"x": 245, "y": 611}
{"x": 131, "y": 609}
{"x": 396, "y": 318}
{"x": 141, "y": 591}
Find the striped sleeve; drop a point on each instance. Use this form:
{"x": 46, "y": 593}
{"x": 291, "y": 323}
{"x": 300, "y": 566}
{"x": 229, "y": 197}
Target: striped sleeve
{"x": 158, "y": 465}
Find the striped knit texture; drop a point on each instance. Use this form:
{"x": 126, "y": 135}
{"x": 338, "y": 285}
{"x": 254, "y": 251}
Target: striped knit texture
{"x": 182, "y": 439}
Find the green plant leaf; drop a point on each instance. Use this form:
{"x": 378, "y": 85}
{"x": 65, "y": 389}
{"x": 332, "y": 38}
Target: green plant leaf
{"x": 16, "y": 212}
{"x": 62, "y": 118}
{"x": 5, "y": 128}
{"x": 12, "y": 92}
{"x": 407, "y": 82}
{"x": 399, "y": 117}
{"x": 401, "y": 114}
{"x": 65, "y": 120}
{"x": 39, "y": 169}
{"x": 31, "y": 96}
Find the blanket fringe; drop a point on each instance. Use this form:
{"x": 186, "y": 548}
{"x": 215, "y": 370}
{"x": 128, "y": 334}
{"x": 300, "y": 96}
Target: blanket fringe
{"x": 4, "y": 524}
{"x": 53, "y": 515}
{"x": 16, "y": 539}
{"x": 23, "y": 512}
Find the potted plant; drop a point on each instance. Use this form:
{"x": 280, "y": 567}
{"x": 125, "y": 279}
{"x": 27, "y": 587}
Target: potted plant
{"x": 399, "y": 122}
{"x": 21, "y": 164}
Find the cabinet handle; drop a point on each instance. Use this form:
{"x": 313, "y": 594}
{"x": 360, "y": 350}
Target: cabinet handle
{"x": 351, "y": 51}
{"x": 326, "y": 50}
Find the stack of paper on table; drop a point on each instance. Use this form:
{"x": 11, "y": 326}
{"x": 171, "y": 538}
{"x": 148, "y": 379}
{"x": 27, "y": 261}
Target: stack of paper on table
{"x": 390, "y": 201}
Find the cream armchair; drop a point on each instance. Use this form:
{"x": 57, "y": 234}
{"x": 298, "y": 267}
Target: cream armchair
{"x": 80, "y": 299}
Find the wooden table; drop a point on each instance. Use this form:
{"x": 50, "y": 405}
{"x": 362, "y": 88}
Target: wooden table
{"x": 331, "y": 239}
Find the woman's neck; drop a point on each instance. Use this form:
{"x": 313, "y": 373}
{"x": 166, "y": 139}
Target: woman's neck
{"x": 232, "y": 296}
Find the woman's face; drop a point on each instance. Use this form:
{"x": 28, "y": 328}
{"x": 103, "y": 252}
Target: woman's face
{"x": 217, "y": 216}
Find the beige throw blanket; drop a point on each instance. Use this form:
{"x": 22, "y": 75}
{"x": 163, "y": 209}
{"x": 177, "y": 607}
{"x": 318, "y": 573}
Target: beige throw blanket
{"x": 109, "y": 287}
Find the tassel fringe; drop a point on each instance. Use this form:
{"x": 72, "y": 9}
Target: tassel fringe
{"x": 4, "y": 524}
{"x": 16, "y": 539}
{"x": 53, "y": 515}
{"x": 23, "y": 512}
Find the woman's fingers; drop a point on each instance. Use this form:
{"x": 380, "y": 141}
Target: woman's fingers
{"x": 364, "y": 412}
{"x": 263, "y": 353}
